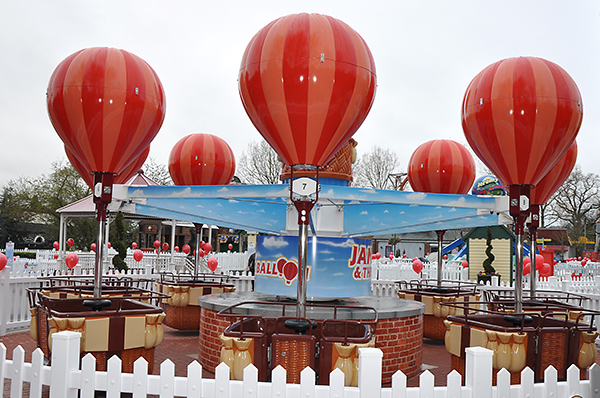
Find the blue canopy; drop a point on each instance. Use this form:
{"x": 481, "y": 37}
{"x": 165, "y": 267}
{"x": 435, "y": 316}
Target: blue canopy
{"x": 354, "y": 211}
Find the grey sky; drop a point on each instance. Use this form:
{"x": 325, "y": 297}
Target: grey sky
{"x": 426, "y": 53}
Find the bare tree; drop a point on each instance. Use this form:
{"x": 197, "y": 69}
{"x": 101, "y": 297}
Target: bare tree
{"x": 259, "y": 164}
{"x": 373, "y": 168}
{"x": 157, "y": 172}
{"x": 575, "y": 206}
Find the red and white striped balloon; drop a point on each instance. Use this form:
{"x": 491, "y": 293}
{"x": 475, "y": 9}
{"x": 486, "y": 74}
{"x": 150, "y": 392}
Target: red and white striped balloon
{"x": 557, "y": 175}
{"x": 520, "y": 116}
{"x": 441, "y": 166}
{"x": 307, "y": 82}
{"x": 201, "y": 159}
{"x": 106, "y": 105}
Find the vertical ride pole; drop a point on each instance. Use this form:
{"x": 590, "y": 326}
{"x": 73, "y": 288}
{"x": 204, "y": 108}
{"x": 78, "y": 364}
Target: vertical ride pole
{"x": 197, "y": 250}
{"x": 103, "y": 184}
{"x": 440, "y": 235}
{"x": 519, "y": 209}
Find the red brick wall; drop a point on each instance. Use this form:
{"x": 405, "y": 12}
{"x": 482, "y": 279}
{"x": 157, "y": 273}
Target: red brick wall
{"x": 400, "y": 339}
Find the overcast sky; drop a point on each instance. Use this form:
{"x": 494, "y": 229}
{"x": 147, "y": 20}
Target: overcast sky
{"x": 426, "y": 53}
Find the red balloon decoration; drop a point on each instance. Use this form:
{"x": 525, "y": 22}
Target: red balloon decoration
{"x": 207, "y": 247}
{"x": 121, "y": 178}
{"x": 391, "y": 256}
{"x": 71, "y": 260}
{"x": 465, "y": 264}
{"x": 70, "y": 242}
{"x": 441, "y": 166}
{"x": 546, "y": 270}
{"x": 202, "y": 243}
{"x": 417, "y": 266}
{"x": 201, "y": 253}
{"x": 165, "y": 246}
{"x": 230, "y": 246}
{"x": 93, "y": 247}
{"x": 176, "y": 248}
{"x": 527, "y": 260}
{"x": 106, "y": 105}
{"x": 520, "y": 116}
{"x": 138, "y": 255}
{"x": 212, "y": 264}
{"x": 156, "y": 244}
{"x": 307, "y": 82}
{"x": 186, "y": 248}
{"x": 557, "y": 175}
{"x": 290, "y": 271}
{"x": 55, "y": 256}
{"x": 56, "y": 245}
{"x": 539, "y": 259}
{"x": 526, "y": 269}
{"x": 134, "y": 245}
{"x": 108, "y": 244}
{"x": 201, "y": 159}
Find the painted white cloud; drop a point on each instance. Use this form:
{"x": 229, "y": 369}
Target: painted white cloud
{"x": 364, "y": 212}
{"x": 274, "y": 242}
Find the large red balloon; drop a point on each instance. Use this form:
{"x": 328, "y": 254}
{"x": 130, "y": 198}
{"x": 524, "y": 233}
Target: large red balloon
{"x": 307, "y": 82}
{"x": 120, "y": 178}
{"x": 441, "y": 166}
{"x": 186, "y": 248}
{"x": 212, "y": 264}
{"x": 557, "y": 175}
{"x": 106, "y": 105}
{"x": 201, "y": 159}
{"x": 520, "y": 116}
{"x": 71, "y": 260}
{"x": 3, "y": 261}
{"x": 138, "y": 255}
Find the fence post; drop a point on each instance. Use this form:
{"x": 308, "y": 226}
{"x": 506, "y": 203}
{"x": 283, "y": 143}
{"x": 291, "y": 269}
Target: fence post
{"x": 370, "y": 361}
{"x": 478, "y": 371}
{"x": 5, "y": 299}
{"x": 65, "y": 358}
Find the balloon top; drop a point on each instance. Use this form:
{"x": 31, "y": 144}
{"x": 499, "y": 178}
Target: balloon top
{"x": 307, "y": 82}
{"x": 520, "y": 115}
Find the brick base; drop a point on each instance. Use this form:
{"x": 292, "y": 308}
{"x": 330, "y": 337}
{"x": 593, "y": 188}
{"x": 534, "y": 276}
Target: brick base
{"x": 400, "y": 339}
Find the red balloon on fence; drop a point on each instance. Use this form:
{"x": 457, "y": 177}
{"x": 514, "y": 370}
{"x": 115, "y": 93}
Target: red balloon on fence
{"x": 441, "y": 166}
{"x": 176, "y": 248}
{"x": 70, "y": 242}
{"x": 201, "y": 159}
{"x": 417, "y": 266}
{"x": 230, "y": 246}
{"x": 138, "y": 255}
{"x": 93, "y": 247}
{"x": 55, "y": 256}
{"x": 156, "y": 244}
{"x": 56, "y": 245}
{"x": 539, "y": 259}
{"x": 307, "y": 82}
{"x": 207, "y": 247}
{"x": 165, "y": 246}
{"x": 391, "y": 256}
{"x": 3, "y": 261}
{"x": 71, "y": 260}
{"x": 212, "y": 264}
{"x": 520, "y": 116}
{"x": 134, "y": 245}
{"x": 526, "y": 260}
{"x": 557, "y": 175}
{"x": 108, "y": 245}
{"x": 526, "y": 269}
{"x": 546, "y": 270}
{"x": 106, "y": 105}
{"x": 186, "y": 248}
{"x": 120, "y": 178}
{"x": 201, "y": 253}
{"x": 465, "y": 264}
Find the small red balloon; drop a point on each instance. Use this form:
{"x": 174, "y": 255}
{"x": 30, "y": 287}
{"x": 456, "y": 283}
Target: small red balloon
{"x": 212, "y": 264}
{"x": 165, "y": 246}
{"x": 404, "y": 255}
{"x": 417, "y": 266}
{"x": 93, "y": 247}
{"x": 526, "y": 269}
{"x": 539, "y": 259}
{"x": 546, "y": 270}
{"x": 156, "y": 244}
{"x": 134, "y": 245}
{"x": 138, "y": 255}
{"x": 71, "y": 260}
{"x": 56, "y": 245}
{"x": 465, "y": 264}
{"x": 207, "y": 247}
{"x": 445, "y": 257}
{"x": 70, "y": 242}
{"x": 55, "y": 256}
{"x": 3, "y": 261}
{"x": 108, "y": 244}
{"x": 391, "y": 256}
{"x": 176, "y": 248}
{"x": 201, "y": 253}
{"x": 230, "y": 246}
{"x": 526, "y": 260}
{"x": 186, "y": 248}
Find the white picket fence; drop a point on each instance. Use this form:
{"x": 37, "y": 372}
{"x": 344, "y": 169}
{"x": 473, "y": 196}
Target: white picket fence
{"x": 402, "y": 270}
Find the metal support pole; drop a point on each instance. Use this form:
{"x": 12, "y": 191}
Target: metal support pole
{"x": 519, "y": 270}
{"x": 302, "y": 266}
{"x": 99, "y": 258}
{"x": 197, "y": 250}
{"x": 440, "y": 235}
{"x": 533, "y": 264}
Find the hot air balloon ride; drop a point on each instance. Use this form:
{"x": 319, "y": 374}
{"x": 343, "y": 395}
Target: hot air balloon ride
{"x": 520, "y": 116}
{"x": 306, "y": 97}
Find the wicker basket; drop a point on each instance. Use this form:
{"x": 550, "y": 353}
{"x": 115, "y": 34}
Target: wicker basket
{"x": 182, "y": 318}
{"x": 293, "y": 355}
{"x": 433, "y": 327}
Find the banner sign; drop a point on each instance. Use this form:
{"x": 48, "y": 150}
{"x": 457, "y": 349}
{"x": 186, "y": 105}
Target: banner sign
{"x": 336, "y": 267}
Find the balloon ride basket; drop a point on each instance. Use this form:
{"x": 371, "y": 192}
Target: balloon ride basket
{"x": 531, "y": 339}
{"x": 250, "y": 327}
{"x": 182, "y": 311}
{"x": 427, "y": 292}
{"x": 126, "y": 321}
